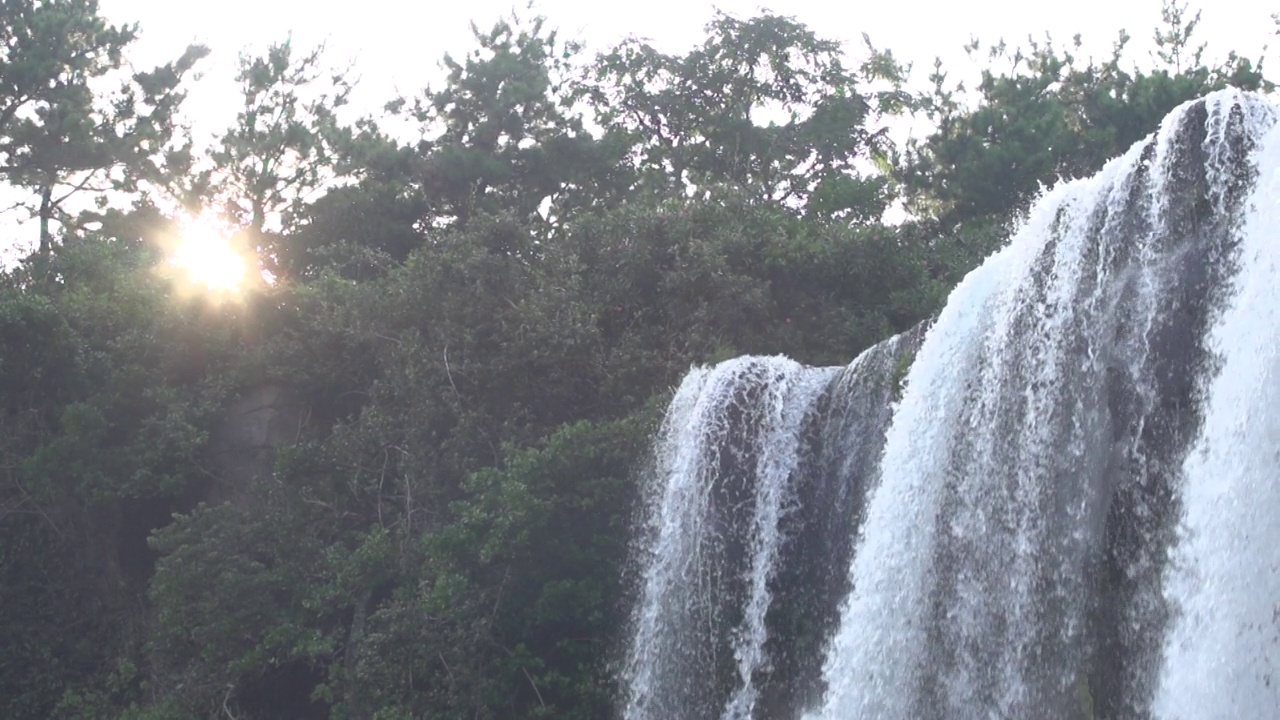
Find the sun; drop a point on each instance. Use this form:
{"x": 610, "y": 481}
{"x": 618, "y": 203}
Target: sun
{"x": 206, "y": 254}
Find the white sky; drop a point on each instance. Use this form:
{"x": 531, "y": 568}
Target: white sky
{"x": 397, "y": 45}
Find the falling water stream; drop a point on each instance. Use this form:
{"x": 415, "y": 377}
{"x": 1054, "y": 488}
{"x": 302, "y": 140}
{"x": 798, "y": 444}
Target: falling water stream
{"x": 1061, "y": 499}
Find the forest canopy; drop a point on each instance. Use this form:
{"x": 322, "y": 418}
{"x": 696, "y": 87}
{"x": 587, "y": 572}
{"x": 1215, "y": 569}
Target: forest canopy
{"x": 379, "y": 458}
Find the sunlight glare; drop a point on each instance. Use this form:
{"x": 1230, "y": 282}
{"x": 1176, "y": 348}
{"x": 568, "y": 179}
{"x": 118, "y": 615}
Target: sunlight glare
{"x": 205, "y": 252}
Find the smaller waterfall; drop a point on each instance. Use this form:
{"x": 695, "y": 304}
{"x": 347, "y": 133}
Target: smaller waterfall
{"x": 743, "y": 445}
{"x": 727, "y": 451}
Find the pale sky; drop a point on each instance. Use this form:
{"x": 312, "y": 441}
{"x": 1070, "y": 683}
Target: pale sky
{"x": 397, "y": 45}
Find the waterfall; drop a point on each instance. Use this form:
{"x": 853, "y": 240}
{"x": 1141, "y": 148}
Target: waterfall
{"x": 743, "y": 448}
{"x": 1223, "y": 655}
{"x": 729, "y": 448}
{"x": 1064, "y": 511}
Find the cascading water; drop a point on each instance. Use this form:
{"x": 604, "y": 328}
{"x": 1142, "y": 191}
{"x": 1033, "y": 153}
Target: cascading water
{"x": 1069, "y": 512}
{"x": 744, "y": 446}
{"x": 1223, "y": 655}
{"x": 730, "y": 444}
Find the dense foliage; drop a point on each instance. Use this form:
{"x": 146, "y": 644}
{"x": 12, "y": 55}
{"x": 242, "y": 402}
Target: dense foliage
{"x": 473, "y": 335}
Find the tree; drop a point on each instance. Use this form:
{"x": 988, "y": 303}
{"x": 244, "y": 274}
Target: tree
{"x": 1049, "y": 116}
{"x": 108, "y": 390}
{"x": 282, "y": 149}
{"x": 763, "y": 105}
{"x": 501, "y": 136}
{"x": 518, "y": 603}
{"x": 59, "y": 137}
{"x": 1174, "y": 38}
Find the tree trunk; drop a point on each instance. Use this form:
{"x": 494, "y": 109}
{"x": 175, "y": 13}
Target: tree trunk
{"x": 349, "y": 658}
{"x": 46, "y": 215}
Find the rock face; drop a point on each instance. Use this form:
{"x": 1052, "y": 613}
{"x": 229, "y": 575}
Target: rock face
{"x": 243, "y": 445}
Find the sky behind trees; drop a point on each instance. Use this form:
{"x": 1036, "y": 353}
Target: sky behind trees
{"x": 396, "y": 47}
{"x": 393, "y": 49}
